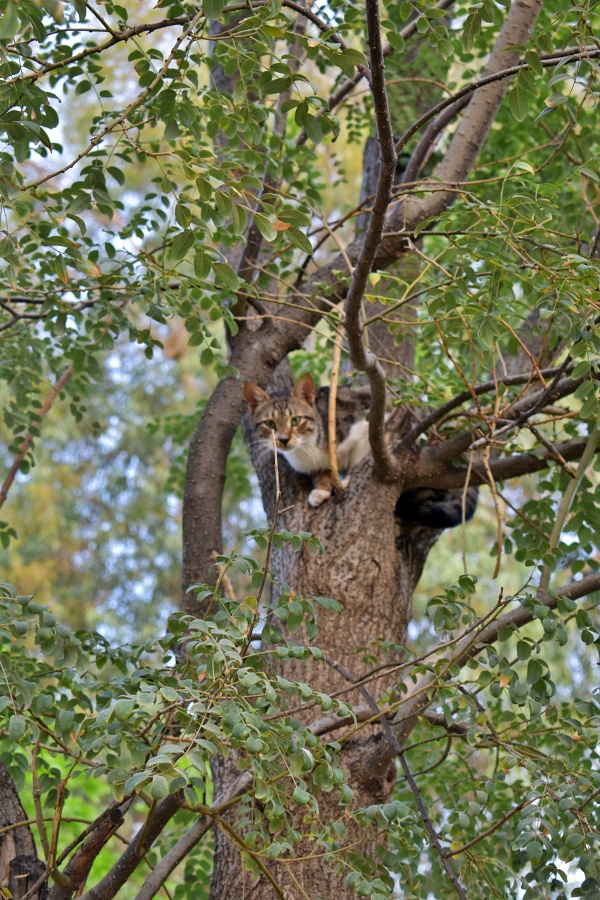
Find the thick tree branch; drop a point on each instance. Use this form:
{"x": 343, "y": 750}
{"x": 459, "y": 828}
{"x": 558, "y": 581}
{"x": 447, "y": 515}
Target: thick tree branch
{"x": 510, "y": 467}
{"x": 365, "y": 360}
{"x": 175, "y": 855}
{"x": 78, "y": 868}
{"x": 108, "y": 886}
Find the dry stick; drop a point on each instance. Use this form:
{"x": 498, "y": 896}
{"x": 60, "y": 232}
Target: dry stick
{"x": 568, "y": 497}
{"x": 121, "y": 807}
{"x": 551, "y": 449}
{"x": 552, "y": 391}
{"x": 384, "y": 464}
{"x": 525, "y": 350}
{"x": 331, "y": 436}
{"x": 463, "y": 504}
{"x": 29, "y": 436}
{"x": 485, "y": 459}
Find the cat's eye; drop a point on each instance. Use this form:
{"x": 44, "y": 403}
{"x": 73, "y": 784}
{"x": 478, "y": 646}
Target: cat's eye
{"x": 271, "y": 423}
{"x": 296, "y": 420}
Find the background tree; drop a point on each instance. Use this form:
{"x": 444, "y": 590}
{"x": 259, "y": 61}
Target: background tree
{"x": 201, "y": 205}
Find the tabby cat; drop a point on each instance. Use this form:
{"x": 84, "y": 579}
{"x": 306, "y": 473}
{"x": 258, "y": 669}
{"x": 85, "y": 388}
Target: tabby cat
{"x": 299, "y": 422}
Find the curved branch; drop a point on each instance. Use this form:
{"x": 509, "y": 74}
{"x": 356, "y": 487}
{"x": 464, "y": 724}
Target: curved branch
{"x": 365, "y": 360}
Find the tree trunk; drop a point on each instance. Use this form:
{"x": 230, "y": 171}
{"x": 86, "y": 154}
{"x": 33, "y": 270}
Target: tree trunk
{"x": 20, "y": 867}
{"x": 372, "y": 573}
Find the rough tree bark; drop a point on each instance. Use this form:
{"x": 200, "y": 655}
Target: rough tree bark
{"x": 20, "y": 867}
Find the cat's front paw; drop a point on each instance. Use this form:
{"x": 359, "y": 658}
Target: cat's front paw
{"x": 317, "y": 497}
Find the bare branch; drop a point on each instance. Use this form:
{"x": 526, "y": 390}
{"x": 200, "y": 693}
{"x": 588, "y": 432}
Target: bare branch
{"x": 118, "y": 875}
{"x": 175, "y": 855}
{"x": 509, "y": 467}
{"x": 384, "y": 464}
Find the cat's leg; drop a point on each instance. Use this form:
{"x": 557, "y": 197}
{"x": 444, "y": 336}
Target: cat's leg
{"x": 321, "y": 489}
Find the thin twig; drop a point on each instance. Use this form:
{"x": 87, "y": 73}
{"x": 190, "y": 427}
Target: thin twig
{"x": 433, "y": 417}
{"x": 567, "y": 499}
{"x": 591, "y": 53}
{"x": 331, "y": 412}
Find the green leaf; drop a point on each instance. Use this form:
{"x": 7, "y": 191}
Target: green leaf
{"x": 182, "y": 243}
{"x": 9, "y": 23}
{"x": 294, "y": 217}
{"x": 532, "y": 59}
{"x": 17, "y": 726}
{"x": 224, "y": 274}
{"x": 518, "y": 102}
{"x": 137, "y": 780}
{"x": 265, "y": 226}
{"x": 202, "y": 265}
{"x": 300, "y": 796}
{"x": 212, "y": 9}
{"x": 160, "y": 787}
{"x": 183, "y": 216}
{"x": 124, "y": 707}
{"x": 300, "y": 240}
{"x": 313, "y": 128}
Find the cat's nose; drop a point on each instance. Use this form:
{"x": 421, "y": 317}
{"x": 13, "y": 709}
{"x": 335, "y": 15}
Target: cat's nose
{"x": 284, "y": 441}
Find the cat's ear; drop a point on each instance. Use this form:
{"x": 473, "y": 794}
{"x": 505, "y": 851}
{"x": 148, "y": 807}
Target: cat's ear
{"x": 305, "y": 389}
{"x": 254, "y": 395}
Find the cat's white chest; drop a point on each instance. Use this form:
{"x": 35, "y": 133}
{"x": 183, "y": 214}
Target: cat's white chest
{"x": 307, "y": 458}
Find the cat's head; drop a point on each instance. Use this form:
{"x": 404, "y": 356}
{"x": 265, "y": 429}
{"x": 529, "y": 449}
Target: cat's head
{"x": 291, "y": 418}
